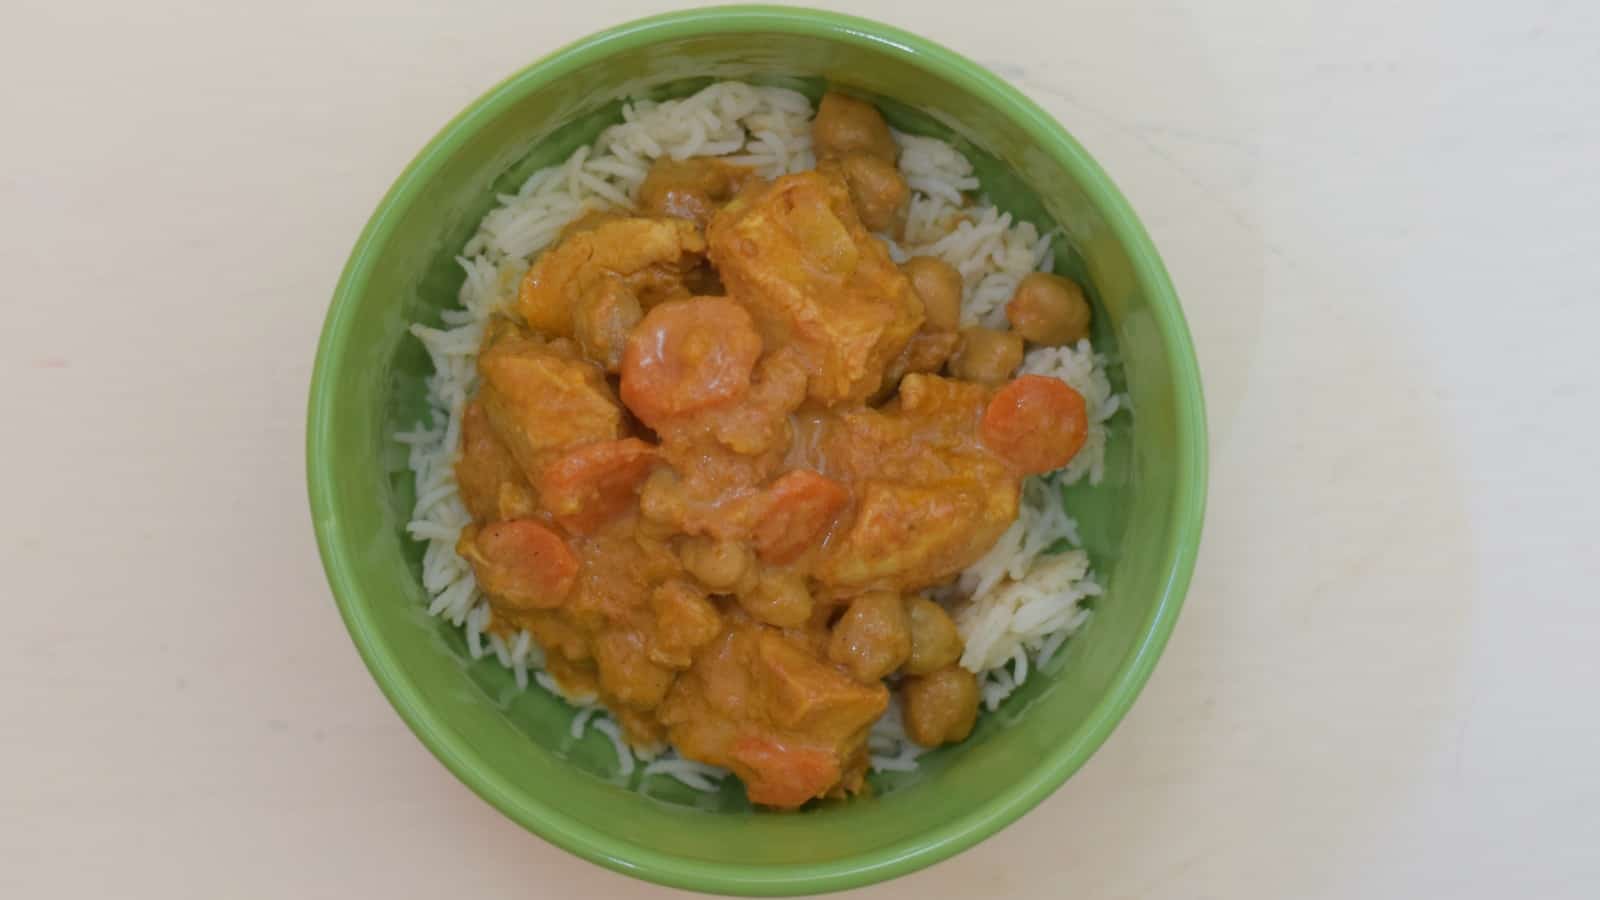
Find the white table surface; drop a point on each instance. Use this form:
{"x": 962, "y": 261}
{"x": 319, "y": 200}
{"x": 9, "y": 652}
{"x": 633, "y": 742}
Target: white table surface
{"x": 1382, "y": 219}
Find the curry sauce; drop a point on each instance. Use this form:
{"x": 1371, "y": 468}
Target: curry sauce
{"x": 712, "y": 466}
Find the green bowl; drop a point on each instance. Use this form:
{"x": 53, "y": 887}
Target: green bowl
{"x": 1141, "y": 525}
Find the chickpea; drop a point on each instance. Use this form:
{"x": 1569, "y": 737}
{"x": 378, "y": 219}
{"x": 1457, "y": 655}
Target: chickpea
{"x": 691, "y": 189}
{"x": 925, "y": 353}
{"x": 847, "y": 125}
{"x": 703, "y": 281}
{"x": 779, "y": 598}
{"x": 986, "y": 356}
{"x": 601, "y": 321}
{"x": 641, "y": 728}
{"x": 719, "y": 565}
{"x": 1049, "y": 309}
{"x": 575, "y": 679}
{"x": 516, "y": 501}
{"x": 663, "y": 498}
{"x": 877, "y": 189}
{"x": 939, "y": 285}
{"x": 627, "y": 674}
{"x": 935, "y": 642}
{"x": 873, "y": 637}
{"x": 685, "y": 620}
{"x": 940, "y": 707}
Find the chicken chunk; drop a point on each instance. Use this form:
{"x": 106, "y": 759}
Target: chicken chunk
{"x": 541, "y": 397}
{"x": 930, "y": 498}
{"x": 794, "y": 252}
{"x": 492, "y": 484}
{"x": 911, "y": 536}
{"x": 791, "y": 726}
{"x": 805, "y": 694}
{"x": 648, "y": 257}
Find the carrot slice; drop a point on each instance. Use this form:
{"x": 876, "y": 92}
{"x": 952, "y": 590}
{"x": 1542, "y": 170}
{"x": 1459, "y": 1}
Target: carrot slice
{"x": 1036, "y": 423}
{"x": 521, "y": 563}
{"x": 594, "y": 483}
{"x": 800, "y": 506}
{"x": 688, "y": 355}
{"x": 780, "y": 775}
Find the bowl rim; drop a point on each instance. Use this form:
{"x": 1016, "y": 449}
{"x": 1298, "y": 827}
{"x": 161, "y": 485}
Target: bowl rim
{"x": 1184, "y": 521}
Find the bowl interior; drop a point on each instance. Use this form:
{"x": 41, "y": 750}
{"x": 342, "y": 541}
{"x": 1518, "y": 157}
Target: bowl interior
{"x": 514, "y": 747}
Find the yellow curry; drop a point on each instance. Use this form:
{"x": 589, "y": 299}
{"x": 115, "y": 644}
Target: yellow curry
{"x": 725, "y": 444}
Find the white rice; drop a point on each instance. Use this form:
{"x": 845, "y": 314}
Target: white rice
{"x": 1021, "y": 604}
{"x": 698, "y": 775}
{"x": 889, "y": 748}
